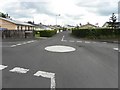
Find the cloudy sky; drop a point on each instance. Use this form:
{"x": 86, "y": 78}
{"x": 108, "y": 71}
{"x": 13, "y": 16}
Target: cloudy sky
{"x": 71, "y": 12}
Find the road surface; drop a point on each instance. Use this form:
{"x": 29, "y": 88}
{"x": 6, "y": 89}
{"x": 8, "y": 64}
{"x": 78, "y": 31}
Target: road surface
{"x": 91, "y": 65}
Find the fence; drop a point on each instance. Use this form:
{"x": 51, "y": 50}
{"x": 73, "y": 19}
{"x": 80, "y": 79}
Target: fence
{"x": 17, "y": 34}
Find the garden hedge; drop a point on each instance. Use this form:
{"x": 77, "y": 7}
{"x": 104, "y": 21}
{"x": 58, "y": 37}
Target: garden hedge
{"x": 47, "y": 33}
{"x": 96, "y": 33}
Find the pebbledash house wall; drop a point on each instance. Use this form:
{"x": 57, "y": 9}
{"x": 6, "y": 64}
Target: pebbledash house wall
{"x": 11, "y": 26}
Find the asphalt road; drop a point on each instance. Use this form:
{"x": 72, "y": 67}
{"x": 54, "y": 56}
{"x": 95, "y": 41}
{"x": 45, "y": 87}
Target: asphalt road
{"x": 92, "y": 65}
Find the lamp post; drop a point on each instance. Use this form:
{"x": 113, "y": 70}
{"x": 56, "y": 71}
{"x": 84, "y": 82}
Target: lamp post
{"x": 56, "y": 18}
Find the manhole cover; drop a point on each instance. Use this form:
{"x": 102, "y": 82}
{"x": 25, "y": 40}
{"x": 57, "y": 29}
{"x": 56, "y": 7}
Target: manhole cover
{"x": 60, "y": 48}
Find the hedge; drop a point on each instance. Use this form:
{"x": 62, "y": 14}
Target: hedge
{"x": 46, "y": 33}
{"x": 96, "y": 33}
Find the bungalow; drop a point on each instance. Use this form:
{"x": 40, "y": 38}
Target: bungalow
{"x": 88, "y": 26}
{"x": 14, "y": 25}
{"x": 69, "y": 27}
{"x": 41, "y": 26}
{"x": 108, "y": 25}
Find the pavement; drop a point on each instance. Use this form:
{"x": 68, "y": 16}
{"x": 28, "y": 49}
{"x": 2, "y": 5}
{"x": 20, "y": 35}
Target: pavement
{"x": 26, "y": 63}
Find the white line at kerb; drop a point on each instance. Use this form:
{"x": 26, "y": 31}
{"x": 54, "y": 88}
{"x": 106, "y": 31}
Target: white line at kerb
{"x": 47, "y": 75}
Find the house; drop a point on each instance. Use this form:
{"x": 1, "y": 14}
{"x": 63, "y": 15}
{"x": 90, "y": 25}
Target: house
{"x": 14, "y": 25}
{"x": 88, "y": 26}
{"x": 38, "y": 27}
{"x": 69, "y": 27}
{"x": 108, "y": 25}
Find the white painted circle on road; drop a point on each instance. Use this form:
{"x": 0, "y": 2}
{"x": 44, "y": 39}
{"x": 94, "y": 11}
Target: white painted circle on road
{"x": 60, "y": 48}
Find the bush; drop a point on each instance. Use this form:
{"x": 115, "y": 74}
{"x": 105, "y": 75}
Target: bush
{"x": 47, "y": 33}
{"x": 96, "y": 33}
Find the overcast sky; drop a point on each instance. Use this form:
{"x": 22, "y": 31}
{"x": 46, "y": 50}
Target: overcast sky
{"x": 71, "y": 12}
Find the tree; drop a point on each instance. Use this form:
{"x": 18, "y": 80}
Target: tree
{"x": 113, "y": 21}
{"x": 4, "y": 15}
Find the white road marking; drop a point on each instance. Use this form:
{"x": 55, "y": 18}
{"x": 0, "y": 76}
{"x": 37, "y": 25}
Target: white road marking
{"x": 19, "y": 70}
{"x": 22, "y": 43}
{"x": 94, "y": 42}
{"x": 62, "y": 38}
{"x": 47, "y": 75}
{"x": 13, "y": 45}
{"x": 116, "y": 49}
{"x": 38, "y": 73}
{"x": 87, "y": 42}
{"x": 61, "y": 30}
{"x": 3, "y": 67}
{"x": 79, "y": 41}
{"x": 60, "y": 48}
{"x": 29, "y": 41}
{"x": 57, "y": 31}
{"x": 18, "y": 44}
{"x": 71, "y": 41}
{"x": 105, "y": 42}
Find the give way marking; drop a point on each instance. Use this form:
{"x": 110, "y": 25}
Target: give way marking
{"x": 47, "y": 75}
{"x": 38, "y": 73}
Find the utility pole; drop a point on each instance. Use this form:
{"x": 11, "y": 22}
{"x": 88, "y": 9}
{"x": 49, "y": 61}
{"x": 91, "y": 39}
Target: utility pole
{"x": 56, "y": 18}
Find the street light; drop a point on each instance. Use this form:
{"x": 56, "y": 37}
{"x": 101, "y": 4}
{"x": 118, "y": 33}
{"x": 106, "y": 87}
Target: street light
{"x": 56, "y": 18}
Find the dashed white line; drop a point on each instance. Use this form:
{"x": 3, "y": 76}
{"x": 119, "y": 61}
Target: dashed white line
{"x": 61, "y": 30}
{"x": 29, "y": 41}
{"x": 47, "y": 75}
{"x": 13, "y": 45}
{"x": 22, "y": 43}
{"x": 57, "y": 31}
{"x": 87, "y": 42}
{"x": 71, "y": 41}
{"x": 3, "y": 67}
{"x": 19, "y": 70}
{"x": 79, "y": 41}
{"x": 115, "y": 48}
{"x": 104, "y": 42}
{"x": 18, "y": 44}
{"x": 62, "y": 38}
